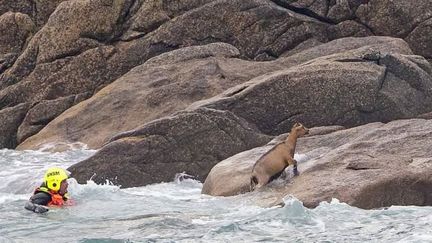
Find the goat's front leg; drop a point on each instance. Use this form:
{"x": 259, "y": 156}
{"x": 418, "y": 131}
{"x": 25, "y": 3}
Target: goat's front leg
{"x": 293, "y": 162}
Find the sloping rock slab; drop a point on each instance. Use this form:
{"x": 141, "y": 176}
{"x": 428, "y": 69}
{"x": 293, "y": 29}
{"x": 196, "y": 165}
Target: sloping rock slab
{"x": 370, "y": 166}
{"x": 350, "y": 88}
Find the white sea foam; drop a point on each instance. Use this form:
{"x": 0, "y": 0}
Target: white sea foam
{"x": 177, "y": 212}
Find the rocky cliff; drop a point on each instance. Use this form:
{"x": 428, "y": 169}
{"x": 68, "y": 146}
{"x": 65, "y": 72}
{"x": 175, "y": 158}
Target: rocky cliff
{"x": 163, "y": 86}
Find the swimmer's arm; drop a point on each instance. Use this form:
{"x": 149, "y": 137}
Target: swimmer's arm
{"x": 41, "y": 198}
{"x": 35, "y": 207}
{"x": 37, "y": 202}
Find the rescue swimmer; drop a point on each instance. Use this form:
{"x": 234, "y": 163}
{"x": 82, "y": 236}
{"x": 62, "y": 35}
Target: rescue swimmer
{"x": 52, "y": 192}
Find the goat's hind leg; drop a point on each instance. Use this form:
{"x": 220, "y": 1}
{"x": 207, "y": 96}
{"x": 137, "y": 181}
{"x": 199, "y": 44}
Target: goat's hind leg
{"x": 262, "y": 181}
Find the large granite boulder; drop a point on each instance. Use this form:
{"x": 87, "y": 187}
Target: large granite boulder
{"x": 97, "y": 49}
{"x": 16, "y": 29}
{"x": 188, "y": 141}
{"x": 38, "y": 10}
{"x": 19, "y": 21}
{"x": 370, "y": 166}
{"x": 94, "y": 50}
{"x": 10, "y": 118}
{"x": 419, "y": 39}
{"x": 349, "y": 89}
{"x": 172, "y": 81}
{"x": 399, "y": 18}
{"x": 163, "y": 85}
{"x": 22, "y": 6}
{"x": 61, "y": 61}
{"x": 404, "y": 16}
{"x": 44, "y": 112}
{"x": 42, "y": 10}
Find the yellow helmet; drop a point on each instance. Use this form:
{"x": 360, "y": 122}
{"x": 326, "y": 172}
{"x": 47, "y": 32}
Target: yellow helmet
{"x": 53, "y": 178}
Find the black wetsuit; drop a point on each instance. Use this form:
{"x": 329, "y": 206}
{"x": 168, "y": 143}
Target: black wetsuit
{"x": 41, "y": 198}
{"x": 37, "y": 201}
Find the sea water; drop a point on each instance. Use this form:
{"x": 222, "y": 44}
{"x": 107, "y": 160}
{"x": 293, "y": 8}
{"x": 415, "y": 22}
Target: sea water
{"x": 176, "y": 211}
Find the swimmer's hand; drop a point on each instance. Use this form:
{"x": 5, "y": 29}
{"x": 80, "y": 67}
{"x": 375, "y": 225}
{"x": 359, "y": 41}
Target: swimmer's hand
{"x": 35, "y": 207}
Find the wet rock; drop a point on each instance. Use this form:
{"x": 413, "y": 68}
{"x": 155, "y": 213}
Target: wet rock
{"x": 188, "y": 141}
{"x": 370, "y": 166}
{"x": 239, "y": 167}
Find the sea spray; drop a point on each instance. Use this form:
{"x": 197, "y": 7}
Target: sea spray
{"x": 176, "y": 211}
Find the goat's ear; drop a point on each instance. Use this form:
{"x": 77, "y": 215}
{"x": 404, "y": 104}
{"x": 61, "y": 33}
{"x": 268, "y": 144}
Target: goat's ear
{"x": 296, "y": 124}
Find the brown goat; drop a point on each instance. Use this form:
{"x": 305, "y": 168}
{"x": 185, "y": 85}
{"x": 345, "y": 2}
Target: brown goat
{"x": 271, "y": 165}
